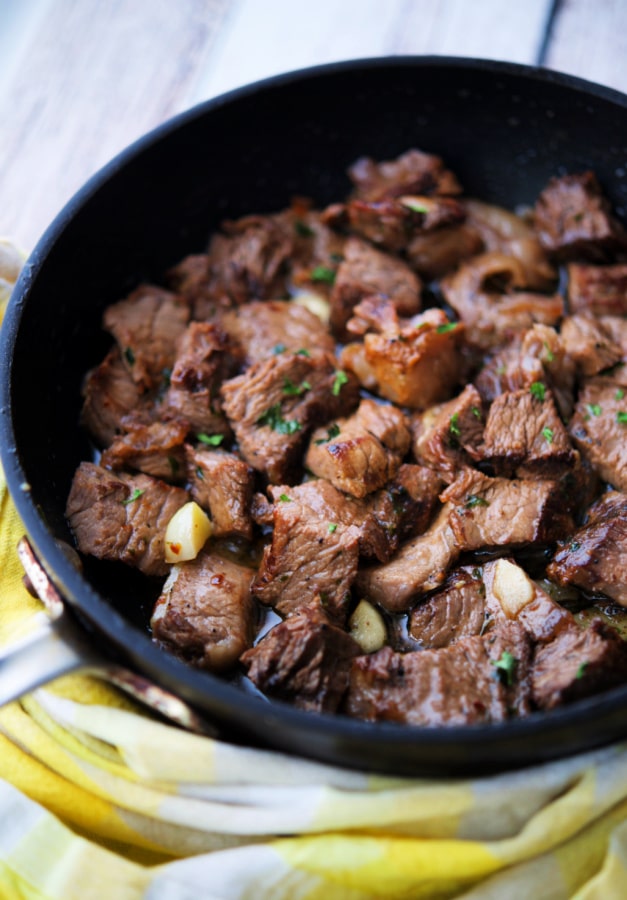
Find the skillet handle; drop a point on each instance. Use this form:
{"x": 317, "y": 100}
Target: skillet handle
{"x": 60, "y": 647}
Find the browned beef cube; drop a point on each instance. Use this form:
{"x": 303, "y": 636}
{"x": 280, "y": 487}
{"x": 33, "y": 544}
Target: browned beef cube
{"x": 366, "y": 271}
{"x": 599, "y": 429}
{"x": 264, "y": 328}
{"x": 573, "y": 218}
{"x": 579, "y": 662}
{"x": 122, "y": 517}
{"x": 434, "y": 254}
{"x": 406, "y": 505}
{"x": 205, "y": 613}
{"x": 456, "y": 611}
{"x": 155, "y": 448}
{"x": 414, "y": 364}
{"x": 223, "y": 485}
{"x": 488, "y": 295}
{"x": 147, "y": 326}
{"x": 476, "y": 679}
{"x": 589, "y": 343}
{"x": 109, "y": 394}
{"x": 414, "y": 172}
{"x": 307, "y": 557}
{"x": 305, "y": 659}
{"x": 595, "y": 558}
{"x": 496, "y": 512}
{"x": 525, "y": 435}
{"x": 447, "y": 436}
{"x": 599, "y": 290}
{"x": 275, "y": 403}
{"x": 391, "y": 224}
{"x": 248, "y": 261}
{"x": 190, "y": 279}
{"x": 205, "y": 357}
{"x": 365, "y": 453}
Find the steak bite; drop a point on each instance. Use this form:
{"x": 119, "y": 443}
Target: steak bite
{"x": 190, "y": 280}
{"x": 109, "y": 395}
{"x": 147, "y": 325}
{"x": 223, "y": 485}
{"x": 589, "y": 342}
{"x": 155, "y": 448}
{"x": 248, "y": 260}
{"x": 205, "y": 613}
{"x": 365, "y": 453}
{"x": 599, "y": 429}
{"x": 448, "y": 436}
{"x": 275, "y": 403}
{"x": 436, "y": 253}
{"x": 405, "y": 506}
{"x": 414, "y": 363}
{"x": 264, "y": 328}
{"x": 597, "y": 290}
{"x": 524, "y": 435}
{"x": 304, "y": 659}
{"x": 595, "y": 558}
{"x": 307, "y": 557}
{"x": 475, "y": 680}
{"x": 365, "y": 271}
{"x": 573, "y": 219}
{"x": 457, "y": 610}
{"x": 122, "y": 517}
{"x": 205, "y": 357}
{"x": 414, "y": 172}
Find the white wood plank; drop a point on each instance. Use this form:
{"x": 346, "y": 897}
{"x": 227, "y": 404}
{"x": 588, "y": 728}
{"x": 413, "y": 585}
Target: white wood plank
{"x": 589, "y": 39}
{"x": 264, "y": 37}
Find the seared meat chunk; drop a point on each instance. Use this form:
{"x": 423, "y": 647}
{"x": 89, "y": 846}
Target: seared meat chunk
{"x": 365, "y": 271}
{"x": 275, "y": 403}
{"x": 155, "y": 448}
{"x": 579, "y": 662}
{"x": 525, "y": 435}
{"x": 414, "y": 363}
{"x": 597, "y": 290}
{"x": 248, "y": 261}
{"x": 147, "y": 325}
{"x": 595, "y": 558}
{"x": 109, "y": 394}
{"x": 264, "y": 328}
{"x": 223, "y": 485}
{"x": 305, "y": 659}
{"x": 488, "y": 295}
{"x": 447, "y": 436}
{"x": 456, "y": 611}
{"x": 599, "y": 429}
{"x": 573, "y": 219}
{"x": 205, "y": 357}
{"x": 122, "y": 517}
{"x": 477, "y": 679}
{"x": 436, "y": 253}
{"x": 414, "y": 172}
{"x": 589, "y": 343}
{"x": 406, "y": 505}
{"x": 205, "y": 613}
{"x": 365, "y": 453}
{"x": 307, "y": 557}
{"x": 190, "y": 280}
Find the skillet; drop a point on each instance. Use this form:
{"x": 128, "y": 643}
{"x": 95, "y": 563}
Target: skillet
{"x": 503, "y": 129}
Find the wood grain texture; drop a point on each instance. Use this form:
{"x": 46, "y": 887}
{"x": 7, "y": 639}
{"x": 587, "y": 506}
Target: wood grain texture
{"x": 589, "y": 39}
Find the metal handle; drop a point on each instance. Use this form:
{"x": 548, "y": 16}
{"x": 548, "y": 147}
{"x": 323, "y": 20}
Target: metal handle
{"x": 60, "y": 647}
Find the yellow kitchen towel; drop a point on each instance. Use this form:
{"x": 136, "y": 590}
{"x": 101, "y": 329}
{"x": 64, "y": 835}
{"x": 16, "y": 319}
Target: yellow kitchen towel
{"x": 100, "y": 800}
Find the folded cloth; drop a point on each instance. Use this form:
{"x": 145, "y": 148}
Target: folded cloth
{"x": 99, "y": 799}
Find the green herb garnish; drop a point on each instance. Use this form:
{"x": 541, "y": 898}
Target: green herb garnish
{"x": 538, "y": 390}
{"x": 506, "y": 667}
{"x": 453, "y": 425}
{"x": 594, "y": 409}
{"x": 549, "y": 356}
{"x": 473, "y": 500}
{"x": 324, "y": 274}
{"x": 134, "y": 496}
{"x": 200, "y": 474}
{"x": 273, "y": 418}
{"x": 621, "y": 417}
{"x": 303, "y": 352}
{"x": 129, "y": 356}
{"x": 476, "y": 412}
{"x": 212, "y": 440}
{"x": 302, "y": 229}
{"x": 332, "y": 527}
{"x": 278, "y": 348}
{"x": 547, "y": 434}
{"x": 341, "y": 378}
{"x": 332, "y": 432}
{"x": 448, "y": 326}
{"x": 285, "y": 499}
{"x": 620, "y": 393}
{"x": 415, "y": 206}
{"x": 295, "y": 390}
{"x": 582, "y": 668}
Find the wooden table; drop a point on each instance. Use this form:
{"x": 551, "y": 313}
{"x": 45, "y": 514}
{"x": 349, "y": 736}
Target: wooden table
{"x": 81, "y": 79}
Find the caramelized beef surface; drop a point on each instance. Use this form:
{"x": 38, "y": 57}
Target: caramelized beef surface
{"x": 405, "y": 417}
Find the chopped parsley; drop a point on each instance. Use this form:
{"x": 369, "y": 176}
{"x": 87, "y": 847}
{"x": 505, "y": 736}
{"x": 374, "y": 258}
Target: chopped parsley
{"x": 473, "y": 500}
{"x": 448, "y": 326}
{"x": 324, "y": 274}
{"x": 538, "y": 390}
{"x": 582, "y": 668}
{"x": 621, "y": 417}
{"x": 594, "y": 409}
{"x": 332, "y": 527}
{"x": 278, "y": 348}
{"x": 341, "y": 378}
{"x": 212, "y": 440}
{"x": 273, "y": 418}
{"x": 506, "y": 667}
{"x": 302, "y": 229}
{"x": 549, "y": 356}
{"x": 303, "y": 352}
{"x": 295, "y": 390}
{"x": 134, "y": 496}
{"x": 415, "y": 205}
{"x": 476, "y": 412}
{"x": 620, "y": 393}
{"x": 547, "y": 434}
{"x": 453, "y": 425}
{"x": 285, "y": 499}
{"x": 332, "y": 432}
{"x": 129, "y": 356}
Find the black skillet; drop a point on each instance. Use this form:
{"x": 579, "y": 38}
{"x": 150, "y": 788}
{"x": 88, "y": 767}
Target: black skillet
{"x": 504, "y": 129}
